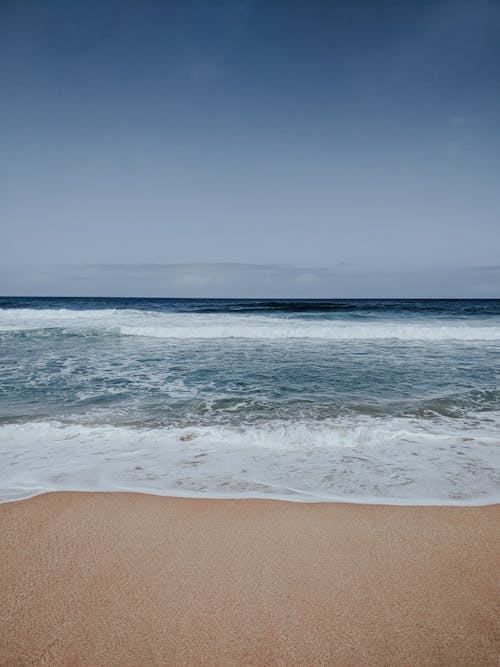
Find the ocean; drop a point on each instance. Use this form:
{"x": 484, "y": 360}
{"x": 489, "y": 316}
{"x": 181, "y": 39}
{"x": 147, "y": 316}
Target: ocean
{"x": 377, "y": 401}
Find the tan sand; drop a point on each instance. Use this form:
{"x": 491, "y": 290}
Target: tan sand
{"x": 132, "y": 580}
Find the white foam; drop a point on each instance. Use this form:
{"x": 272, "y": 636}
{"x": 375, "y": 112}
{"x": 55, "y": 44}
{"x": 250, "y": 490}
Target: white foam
{"x": 221, "y": 326}
{"x": 361, "y": 459}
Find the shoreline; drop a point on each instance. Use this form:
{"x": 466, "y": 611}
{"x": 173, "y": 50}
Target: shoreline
{"x": 370, "y": 501}
{"x": 120, "y": 578}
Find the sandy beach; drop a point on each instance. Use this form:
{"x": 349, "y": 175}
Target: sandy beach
{"x": 123, "y": 579}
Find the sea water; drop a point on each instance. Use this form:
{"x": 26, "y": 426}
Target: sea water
{"x": 380, "y": 401}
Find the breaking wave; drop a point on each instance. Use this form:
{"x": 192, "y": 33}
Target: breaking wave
{"x": 219, "y": 326}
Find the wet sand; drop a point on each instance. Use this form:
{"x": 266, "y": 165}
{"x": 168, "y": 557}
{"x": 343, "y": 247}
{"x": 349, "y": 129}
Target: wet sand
{"x": 132, "y": 580}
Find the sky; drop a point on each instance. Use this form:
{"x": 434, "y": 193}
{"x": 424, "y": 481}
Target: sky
{"x": 250, "y": 148}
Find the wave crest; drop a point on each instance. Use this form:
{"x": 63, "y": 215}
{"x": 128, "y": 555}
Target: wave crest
{"x": 220, "y": 326}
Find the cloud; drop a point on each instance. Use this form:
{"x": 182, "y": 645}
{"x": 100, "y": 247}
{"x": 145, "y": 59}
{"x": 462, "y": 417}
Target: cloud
{"x": 178, "y": 279}
{"x": 234, "y": 280}
{"x": 193, "y": 279}
{"x": 216, "y": 275}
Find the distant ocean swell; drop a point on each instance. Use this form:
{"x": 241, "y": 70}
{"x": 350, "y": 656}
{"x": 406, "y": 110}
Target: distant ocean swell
{"x": 372, "y": 401}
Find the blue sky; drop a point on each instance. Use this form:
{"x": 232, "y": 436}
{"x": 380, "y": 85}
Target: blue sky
{"x": 241, "y": 148}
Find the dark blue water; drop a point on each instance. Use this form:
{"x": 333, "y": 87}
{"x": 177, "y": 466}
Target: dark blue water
{"x": 396, "y": 307}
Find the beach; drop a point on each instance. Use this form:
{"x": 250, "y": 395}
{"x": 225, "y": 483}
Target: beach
{"x": 249, "y": 333}
{"x": 134, "y": 579}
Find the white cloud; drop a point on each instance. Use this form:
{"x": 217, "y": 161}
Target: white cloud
{"x": 202, "y": 278}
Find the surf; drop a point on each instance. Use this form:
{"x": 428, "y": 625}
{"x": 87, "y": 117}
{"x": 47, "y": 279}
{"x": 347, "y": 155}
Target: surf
{"x": 151, "y": 324}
